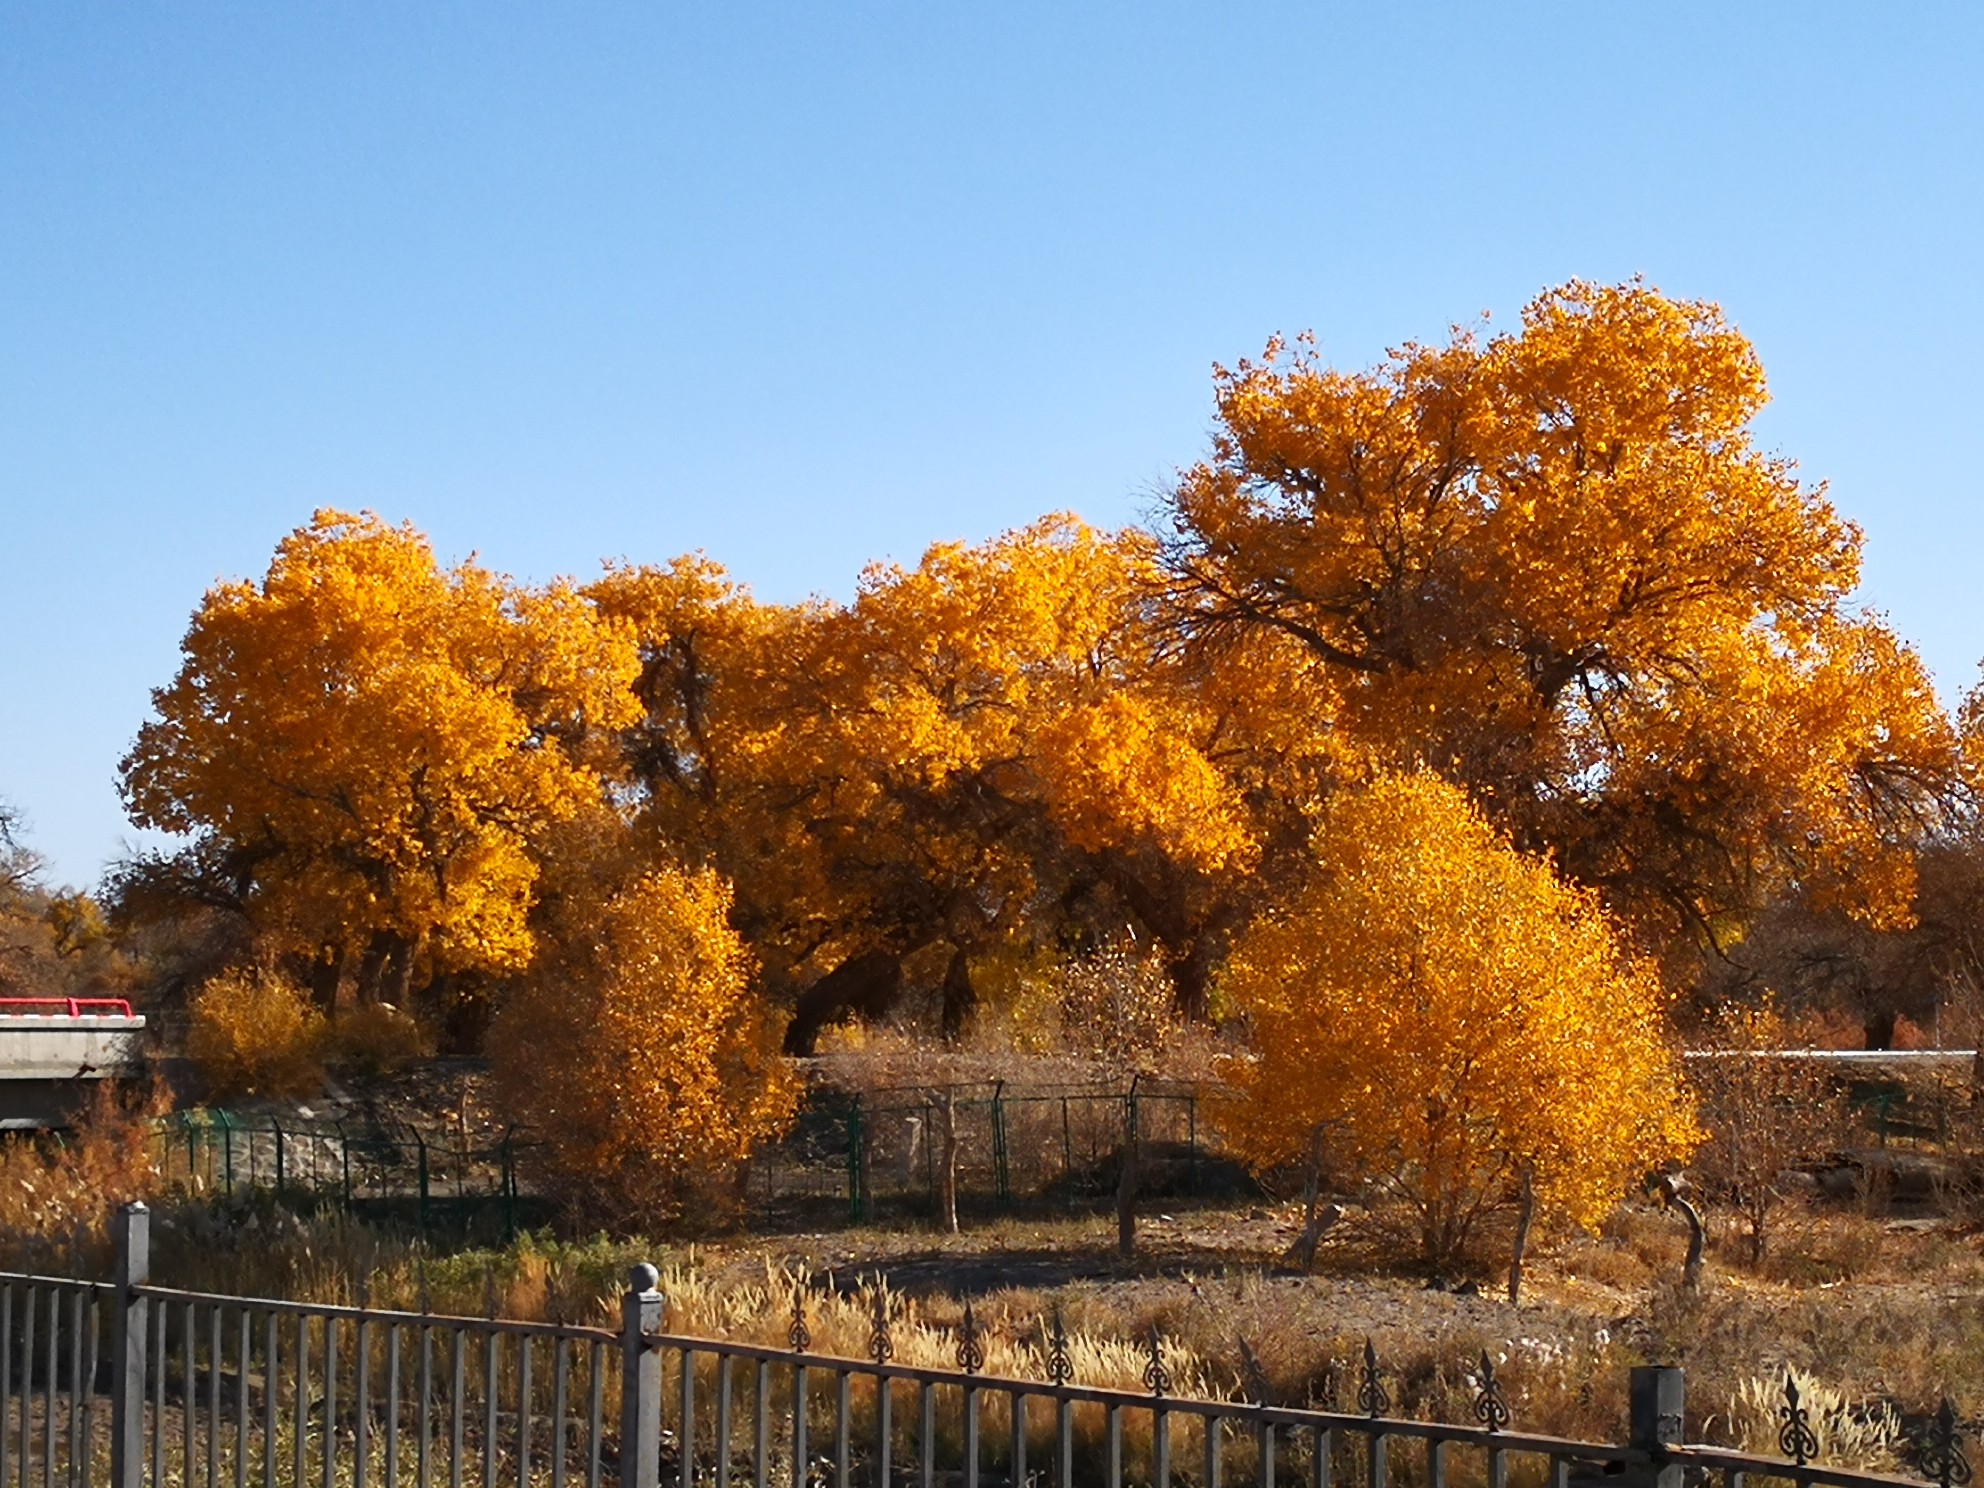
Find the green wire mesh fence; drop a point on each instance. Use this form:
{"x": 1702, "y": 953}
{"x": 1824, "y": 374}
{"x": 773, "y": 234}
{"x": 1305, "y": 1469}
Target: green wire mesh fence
{"x": 436, "y": 1181}
{"x": 858, "y": 1157}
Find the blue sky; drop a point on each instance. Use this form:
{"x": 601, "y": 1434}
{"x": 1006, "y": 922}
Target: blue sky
{"x": 804, "y": 286}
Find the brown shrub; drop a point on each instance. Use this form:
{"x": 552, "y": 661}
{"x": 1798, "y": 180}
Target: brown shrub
{"x": 1765, "y": 1112}
{"x": 58, "y": 1190}
{"x": 375, "y": 1040}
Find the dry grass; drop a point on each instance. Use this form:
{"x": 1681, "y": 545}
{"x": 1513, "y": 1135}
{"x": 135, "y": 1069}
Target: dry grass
{"x": 1880, "y": 1317}
{"x": 57, "y": 1192}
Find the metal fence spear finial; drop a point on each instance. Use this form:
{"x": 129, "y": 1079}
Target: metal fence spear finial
{"x": 1491, "y": 1406}
{"x": 971, "y": 1348}
{"x": 1371, "y": 1396}
{"x": 799, "y": 1335}
{"x": 1795, "y": 1437}
{"x": 1942, "y": 1459}
{"x": 1157, "y": 1378}
{"x": 1060, "y": 1367}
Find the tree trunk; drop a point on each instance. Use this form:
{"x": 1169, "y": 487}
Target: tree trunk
{"x": 960, "y": 998}
{"x": 1191, "y": 975}
{"x": 396, "y": 982}
{"x": 1668, "y": 1188}
{"x": 1301, "y": 1252}
{"x": 864, "y": 986}
{"x": 1525, "y": 1216}
{"x": 325, "y": 972}
{"x": 1189, "y": 950}
{"x": 372, "y": 968}
{"x": 435, "y": 999}
{"x": 1691, "y": 1268}
{"x": 1878, "y": 1029}
{"x": 1126, "y": 1182}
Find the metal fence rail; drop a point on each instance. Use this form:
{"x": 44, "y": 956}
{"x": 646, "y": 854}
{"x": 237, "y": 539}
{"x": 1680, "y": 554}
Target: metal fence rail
{"x": 51, "y": 1336}
{"x": 209, "y": 1390}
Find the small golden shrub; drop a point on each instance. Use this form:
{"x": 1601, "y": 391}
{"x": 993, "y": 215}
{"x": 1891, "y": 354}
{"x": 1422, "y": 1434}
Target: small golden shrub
{"x": 256, "y": 1033}
{"x": 1455, "y": 1018}
{"x": 641, "y": 1053}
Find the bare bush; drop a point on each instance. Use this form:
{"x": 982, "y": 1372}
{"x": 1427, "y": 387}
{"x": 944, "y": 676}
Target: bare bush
{"x": 1765, "y": 1111}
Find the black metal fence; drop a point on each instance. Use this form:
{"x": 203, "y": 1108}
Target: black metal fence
{"x": 128, "y": 1385}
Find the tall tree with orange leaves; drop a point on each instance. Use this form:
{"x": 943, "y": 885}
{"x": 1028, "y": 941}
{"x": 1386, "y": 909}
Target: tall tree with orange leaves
{"x": 961, "y": 753}
{"x": 1553, "y": 566}
{"x": 366, "y": 745}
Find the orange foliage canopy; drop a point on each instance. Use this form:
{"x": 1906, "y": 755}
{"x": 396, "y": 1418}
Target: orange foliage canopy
{"x": 366, "y": 746}
{"x": 1454, "y": 1019}
{"x": 1550, "y": 566}
{"x": 919, "y": 767}
{"x": 1553, "y": 567}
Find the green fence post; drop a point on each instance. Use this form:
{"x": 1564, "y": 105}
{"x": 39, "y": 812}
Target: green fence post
{"x": 227, "y": 1148}
{"x": 421, "y": 1145}
{"x": 856, "y": 1209}
{"x": 1002, "y": 1176}
{"x": 344, "y": 1161}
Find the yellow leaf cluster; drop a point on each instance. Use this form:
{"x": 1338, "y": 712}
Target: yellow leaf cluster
{"x": 638, "y": 1049}
{"x": 914, "y": 766}
{"x": 1454, "y": 1019}
{"x": 254, "y": 1032}
{"x": 375, "y": 741}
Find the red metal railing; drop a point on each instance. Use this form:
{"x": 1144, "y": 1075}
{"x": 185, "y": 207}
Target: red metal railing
{"x": 75, "y": 1007}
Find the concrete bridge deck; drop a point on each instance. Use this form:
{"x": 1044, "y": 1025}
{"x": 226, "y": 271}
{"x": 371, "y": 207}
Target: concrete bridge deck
{"x": 53, "y": 1050}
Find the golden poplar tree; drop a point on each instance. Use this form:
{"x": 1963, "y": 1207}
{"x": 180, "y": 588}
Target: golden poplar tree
{"x": 1554, "y": 566}
{"x": 364, "y": 745}
{"x": 936, "y": 764}
{"x": 637, "y": 1049}
{"x": 969, "y": 739}
{"x": 1458, "y": 1024}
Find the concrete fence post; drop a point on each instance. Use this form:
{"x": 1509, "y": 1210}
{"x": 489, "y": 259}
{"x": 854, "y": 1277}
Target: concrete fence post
{"x": 640, "y": 1380}
{"x": 1659, "y": 1395}
{"x": 133, "y": 1238}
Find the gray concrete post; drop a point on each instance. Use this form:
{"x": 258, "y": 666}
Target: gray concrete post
{"x": 641, "y": 1311}
{"x": 133, "y": 1239}
{"x": 1658, "y": 1403}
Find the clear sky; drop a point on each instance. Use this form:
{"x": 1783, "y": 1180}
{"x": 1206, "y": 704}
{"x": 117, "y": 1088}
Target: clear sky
{"x": 808, "y": 285}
